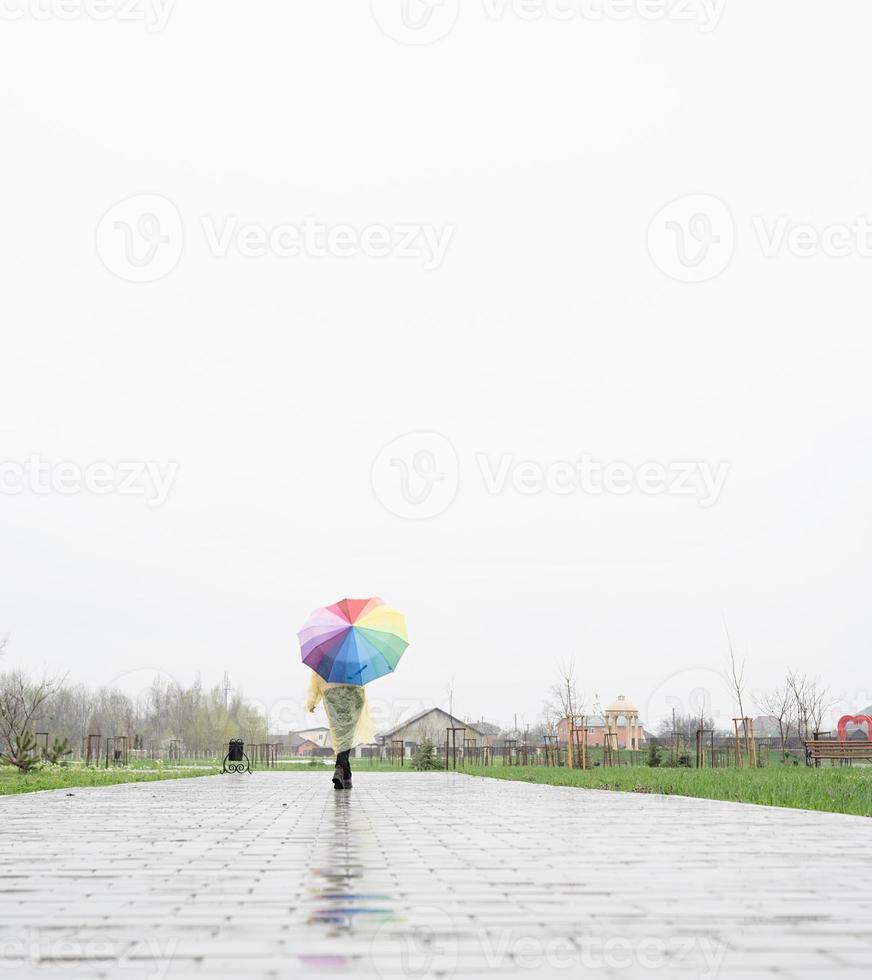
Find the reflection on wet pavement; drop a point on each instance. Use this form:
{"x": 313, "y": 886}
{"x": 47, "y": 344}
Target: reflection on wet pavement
{"x": 336, "y": 896}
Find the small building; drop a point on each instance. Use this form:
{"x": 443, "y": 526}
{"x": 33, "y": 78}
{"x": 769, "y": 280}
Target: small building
{"x": 490, "y": 734}
{"x": 299, "y": 746}
{"x": 429, "y": 726}
{"x": 320, "y": 736}
{"x": 620, "y": 721}
{"x": 766, "y": 726}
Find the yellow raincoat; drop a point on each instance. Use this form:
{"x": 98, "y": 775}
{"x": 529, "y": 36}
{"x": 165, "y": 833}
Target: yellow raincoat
{"x": 347, "y": 712}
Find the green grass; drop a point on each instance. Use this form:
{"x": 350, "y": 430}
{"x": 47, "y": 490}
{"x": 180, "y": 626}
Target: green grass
{"x": 70, "y": 777}
{"x": 835, "y": 790}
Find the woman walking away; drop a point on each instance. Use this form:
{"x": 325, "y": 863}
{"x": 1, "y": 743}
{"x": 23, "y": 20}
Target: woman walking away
{"x": 350, "y": 723}
{"x": 346, "y": 645}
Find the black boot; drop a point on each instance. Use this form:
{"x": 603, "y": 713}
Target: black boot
{"x": 343, "y": 764}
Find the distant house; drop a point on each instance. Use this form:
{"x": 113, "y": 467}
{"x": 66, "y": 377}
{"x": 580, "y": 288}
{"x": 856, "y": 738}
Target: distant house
{"x": 621, "y": 719}
{"x": 766, "y": 726}
{"x": 430, "y": 726}
{"x": 297, "y": 745}
{"x": 320, "y": 736}
{"x": 596, "y": 729}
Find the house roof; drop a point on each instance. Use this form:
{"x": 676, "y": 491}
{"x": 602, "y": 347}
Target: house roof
{"x": 423, "y": 714}
{"x": 622, "y": 704}
{"x": 314, "y": 728}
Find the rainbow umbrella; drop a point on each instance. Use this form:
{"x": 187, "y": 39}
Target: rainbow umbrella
{"x": 353, "y": 641}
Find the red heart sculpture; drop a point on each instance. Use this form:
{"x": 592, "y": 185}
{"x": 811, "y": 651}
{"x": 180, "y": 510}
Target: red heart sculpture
{"x": 855, "y": 720}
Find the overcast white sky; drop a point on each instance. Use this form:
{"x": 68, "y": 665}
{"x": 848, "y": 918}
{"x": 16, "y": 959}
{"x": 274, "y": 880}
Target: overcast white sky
{"x": 537, "y": 305}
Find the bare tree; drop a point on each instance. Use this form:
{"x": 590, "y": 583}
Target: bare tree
{"x": 551, "y": 718}
{"x": 797, "y": 685}
{"x": 822, "y": 702}
{"x": 566, "y": 703}
{"x": 737, "y": 672}
{"x": 812, "y": 700}
{"x": 780, "y": 705}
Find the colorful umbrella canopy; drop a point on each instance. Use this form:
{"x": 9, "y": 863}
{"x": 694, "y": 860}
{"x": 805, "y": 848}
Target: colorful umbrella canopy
{"x": 353, "y": 641}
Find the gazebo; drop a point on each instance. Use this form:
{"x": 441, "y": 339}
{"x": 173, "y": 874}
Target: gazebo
{"x": 622, "y": 708}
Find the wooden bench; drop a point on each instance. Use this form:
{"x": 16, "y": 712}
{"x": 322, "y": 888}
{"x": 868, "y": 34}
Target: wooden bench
{"x": 836, "y": 750}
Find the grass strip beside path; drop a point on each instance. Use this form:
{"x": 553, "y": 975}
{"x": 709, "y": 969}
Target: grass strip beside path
{"x": 12, "y": 781}
{"x": 831, "y": 789}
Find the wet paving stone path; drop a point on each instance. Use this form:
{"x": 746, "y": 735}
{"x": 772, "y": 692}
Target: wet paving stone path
{"x": 425, "y": 875}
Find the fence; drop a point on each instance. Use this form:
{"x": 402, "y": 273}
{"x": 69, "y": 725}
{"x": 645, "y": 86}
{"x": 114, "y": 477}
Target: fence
{"x": 457, "y": 751}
